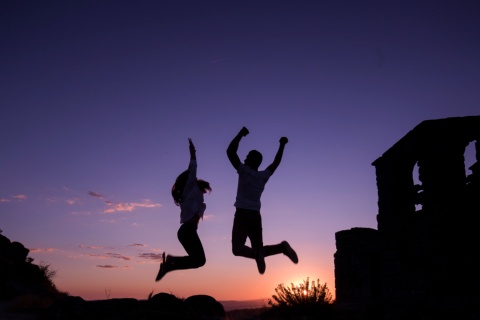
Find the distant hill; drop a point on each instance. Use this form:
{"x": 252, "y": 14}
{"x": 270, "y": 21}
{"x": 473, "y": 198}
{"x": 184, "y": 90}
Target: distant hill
{"x": 244, "y": 304}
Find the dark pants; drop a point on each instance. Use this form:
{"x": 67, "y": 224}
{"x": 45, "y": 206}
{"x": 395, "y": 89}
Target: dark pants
{"x": 188, "y": 237}
{"x": 248, "y": 224}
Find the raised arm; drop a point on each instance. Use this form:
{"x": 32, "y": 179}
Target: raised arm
{"x": 278, "y": 157}
{"x": 192, "y": 150}
{"x": 233, "y": 147}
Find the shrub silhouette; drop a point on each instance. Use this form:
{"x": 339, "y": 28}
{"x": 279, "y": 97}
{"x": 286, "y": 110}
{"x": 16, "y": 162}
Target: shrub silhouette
{"x": 307, "y": 299}
{"x": 26, "y": 286}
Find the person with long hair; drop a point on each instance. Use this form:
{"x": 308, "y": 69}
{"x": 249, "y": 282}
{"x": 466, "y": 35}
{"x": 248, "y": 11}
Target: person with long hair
{"x": 247, "y": 222}
{"x": 187, "y": 193}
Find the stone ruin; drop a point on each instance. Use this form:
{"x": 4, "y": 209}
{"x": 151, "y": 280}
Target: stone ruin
{"x": 421, "y": 263}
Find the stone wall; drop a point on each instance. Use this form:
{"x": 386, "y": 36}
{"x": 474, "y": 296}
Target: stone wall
{"x": 419, "y": 263}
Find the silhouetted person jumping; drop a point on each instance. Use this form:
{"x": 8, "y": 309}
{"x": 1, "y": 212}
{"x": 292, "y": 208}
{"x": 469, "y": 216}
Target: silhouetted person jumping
{"x": 248, "y": 221}
{"x": 187, "y": 193}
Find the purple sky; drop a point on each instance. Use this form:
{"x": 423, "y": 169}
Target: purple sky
{"x": 98, "y": 99}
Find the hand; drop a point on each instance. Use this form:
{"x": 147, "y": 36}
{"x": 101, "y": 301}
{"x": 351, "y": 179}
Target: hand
{"x": 244, "y": 131}
{"x": 283, "y": 140}
{"x": 190, "y": 145}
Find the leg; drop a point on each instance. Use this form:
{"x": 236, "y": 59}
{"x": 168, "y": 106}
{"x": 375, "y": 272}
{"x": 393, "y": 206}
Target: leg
{"x": 188, "y": 237}
{"x": 248, "y": 223}
{"x": 162, "y": 271}
{"x": 272, "y": 249}
{"x": 256, "y": 238}
{"x": 240, "y": 233}
{"x": 283, "y": 247}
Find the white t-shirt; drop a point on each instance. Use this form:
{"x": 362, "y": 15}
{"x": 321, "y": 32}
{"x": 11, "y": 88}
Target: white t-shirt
{"x": 251, "y": 184}
{"x": 192, "y": 196}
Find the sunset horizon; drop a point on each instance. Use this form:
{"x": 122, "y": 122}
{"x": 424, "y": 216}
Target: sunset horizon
{"x": 99, "y": 100}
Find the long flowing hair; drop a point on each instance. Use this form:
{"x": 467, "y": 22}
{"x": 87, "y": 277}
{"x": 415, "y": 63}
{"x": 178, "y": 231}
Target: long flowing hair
{"x": 179, "y": 185}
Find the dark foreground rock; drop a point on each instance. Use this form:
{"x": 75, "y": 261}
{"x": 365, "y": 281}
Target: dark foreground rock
{"x": 28, "y": 293}
{"x": 160, "y": 306}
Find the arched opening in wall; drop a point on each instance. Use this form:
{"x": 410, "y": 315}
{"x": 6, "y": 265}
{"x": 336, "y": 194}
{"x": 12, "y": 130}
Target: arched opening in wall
{"x": 417, "y": 184}
{"x": 469, "y": 157}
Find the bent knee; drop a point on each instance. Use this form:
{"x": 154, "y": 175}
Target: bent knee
{"x": 236, "y": 250}
{"x": 200, "y": 262}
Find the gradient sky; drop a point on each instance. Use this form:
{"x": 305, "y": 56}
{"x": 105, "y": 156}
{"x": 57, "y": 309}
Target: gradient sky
{"x": 98, "y": 99}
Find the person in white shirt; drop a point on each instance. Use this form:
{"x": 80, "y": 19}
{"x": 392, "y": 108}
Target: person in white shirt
{"x": 247, "y": 222}
{"x": 187, "y": 193}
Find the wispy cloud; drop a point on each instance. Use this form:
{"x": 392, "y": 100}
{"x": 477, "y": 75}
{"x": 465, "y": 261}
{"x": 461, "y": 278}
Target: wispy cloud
{"x": 16, "y": 197}
{"x": 118, "y": 256}
{"x": 106, "y": 266}
{"x": 110, "y": 255}
{"x": 81, "y": 213}
{"x": 35, "y": 250}
{"x": 108, "y": 221}
{"x": 73, "y": 201}
{"x": 109, "y": 266}
{"x": 137, "y": 245}
{"x": 113, "y": 207}
{"x": 96, "y": 195}
{"x": 130, "y": 206}
{"x": 150, "y": 256}
{"x": 90, "y": 247}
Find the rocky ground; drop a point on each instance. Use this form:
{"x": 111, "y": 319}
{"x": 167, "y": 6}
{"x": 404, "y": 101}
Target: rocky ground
{"x": 27, "y": 292}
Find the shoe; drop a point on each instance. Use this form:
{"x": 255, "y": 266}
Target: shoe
{"x": 260, "y": 259}
{"x": 289, "y": 252}
{"x": 162, "y": 272}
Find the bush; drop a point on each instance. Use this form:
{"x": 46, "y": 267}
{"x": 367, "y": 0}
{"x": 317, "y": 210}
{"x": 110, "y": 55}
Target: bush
{"x": 306, "y": 299}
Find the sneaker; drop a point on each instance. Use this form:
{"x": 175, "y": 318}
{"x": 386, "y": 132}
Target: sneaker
{"x": 289, "y": 252}
{"x": 260, "y": 259}
{"x": 162, "y": 272}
